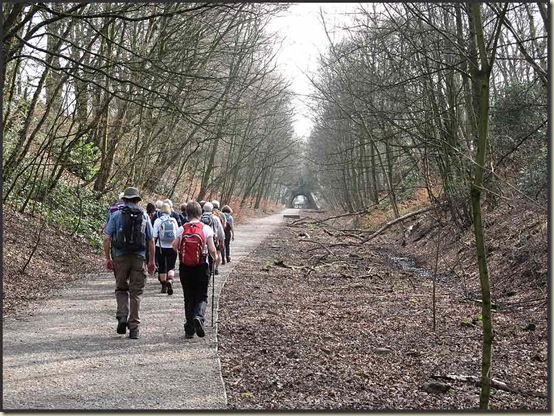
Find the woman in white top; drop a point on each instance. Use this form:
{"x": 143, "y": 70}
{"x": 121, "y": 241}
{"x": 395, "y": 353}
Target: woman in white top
{"x": 165, "y": 231}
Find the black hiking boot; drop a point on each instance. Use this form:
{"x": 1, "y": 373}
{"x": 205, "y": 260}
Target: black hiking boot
{"x": 164, "y": 287}
{"x": 198, "y": 327}
{"x": 216, "y": 271}
{"x": 134, "y": 333}
{"x": 228, "y": 259}
{"x": 169, "y": 287}
{"x": 121, "y": 325}
{"x": 189, "y": 331}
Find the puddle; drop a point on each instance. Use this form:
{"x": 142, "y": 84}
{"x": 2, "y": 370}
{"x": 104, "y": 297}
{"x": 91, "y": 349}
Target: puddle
{"x": 408, "y": 264}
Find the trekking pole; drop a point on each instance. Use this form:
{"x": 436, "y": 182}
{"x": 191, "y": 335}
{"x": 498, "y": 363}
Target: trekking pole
{"x": 213, "y": 291}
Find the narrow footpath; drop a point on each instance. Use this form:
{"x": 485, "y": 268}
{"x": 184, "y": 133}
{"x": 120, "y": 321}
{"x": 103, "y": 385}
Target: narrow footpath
{"x": 68, "y": 355}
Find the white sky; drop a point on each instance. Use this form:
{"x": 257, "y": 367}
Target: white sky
{"x": 303, "y": 38}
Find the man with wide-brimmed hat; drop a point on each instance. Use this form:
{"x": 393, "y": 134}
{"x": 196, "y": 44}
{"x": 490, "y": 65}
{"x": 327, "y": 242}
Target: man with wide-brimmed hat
{"x": 129, "y": 231}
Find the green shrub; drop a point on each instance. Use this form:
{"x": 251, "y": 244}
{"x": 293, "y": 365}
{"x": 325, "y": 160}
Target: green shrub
{"x": 82, "y": 160}
{"x": 72, "y": 208}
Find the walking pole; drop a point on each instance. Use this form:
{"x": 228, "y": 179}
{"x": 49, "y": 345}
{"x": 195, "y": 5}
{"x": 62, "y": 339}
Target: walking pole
{"x": 213, "y": 291}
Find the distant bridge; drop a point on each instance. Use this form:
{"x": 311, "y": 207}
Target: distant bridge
{"x": 304, "y": 191}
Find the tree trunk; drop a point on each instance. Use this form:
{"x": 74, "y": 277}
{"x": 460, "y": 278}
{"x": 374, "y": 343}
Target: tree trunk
{"x": 481, "y": 76}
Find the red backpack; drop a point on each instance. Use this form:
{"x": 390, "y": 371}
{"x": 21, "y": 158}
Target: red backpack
{"x": 193, "y": 245}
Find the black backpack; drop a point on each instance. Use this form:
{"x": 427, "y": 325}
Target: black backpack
{"x": 184, "y": 219}
{"x": 131, "y": 237}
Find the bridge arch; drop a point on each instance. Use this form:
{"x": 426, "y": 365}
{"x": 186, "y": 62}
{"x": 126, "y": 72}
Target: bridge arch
{"x": 309, "y": 198}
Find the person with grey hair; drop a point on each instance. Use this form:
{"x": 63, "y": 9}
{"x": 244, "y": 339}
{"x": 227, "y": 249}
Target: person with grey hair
{"x": 217, "y": 212}
{"x": 165, "y": 231}
{"x": 213, "y": 221}
{"x": 173, "y": 213}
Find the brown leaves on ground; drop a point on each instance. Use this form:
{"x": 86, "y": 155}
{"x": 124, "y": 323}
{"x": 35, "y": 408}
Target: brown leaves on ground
{"x": 59, "y": 258}
{"x": 306, "y": 324}
{"x": 310, "y": 321}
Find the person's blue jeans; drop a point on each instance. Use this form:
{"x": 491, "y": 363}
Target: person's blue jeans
{"x": 195, "y": 281}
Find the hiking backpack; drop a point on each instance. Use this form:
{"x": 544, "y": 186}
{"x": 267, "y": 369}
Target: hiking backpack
{"x": 207, "y": 219}
{"x": 168, "y": 229}
{"x": 131, "y": 236}
{"x": 184, "y": 219}
{"x": 227, "y": 222}
{"x": 222, "y": 218}
{"x": 192, "y": 251}
{"x": 118, "y": 206}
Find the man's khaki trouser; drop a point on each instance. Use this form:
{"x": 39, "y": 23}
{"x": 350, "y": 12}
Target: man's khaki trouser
{"x": 130, "y": 278}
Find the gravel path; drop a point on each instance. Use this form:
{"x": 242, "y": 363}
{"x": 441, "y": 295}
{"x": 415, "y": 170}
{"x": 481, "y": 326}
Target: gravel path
{"x": 68, "y": 355}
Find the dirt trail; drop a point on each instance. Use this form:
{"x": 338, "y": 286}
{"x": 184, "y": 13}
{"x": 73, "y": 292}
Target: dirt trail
{"x": 68, "y": 355}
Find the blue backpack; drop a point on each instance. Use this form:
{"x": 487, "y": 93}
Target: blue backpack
{"x": 207, "y": 219}
{"x": 168, "y": 229}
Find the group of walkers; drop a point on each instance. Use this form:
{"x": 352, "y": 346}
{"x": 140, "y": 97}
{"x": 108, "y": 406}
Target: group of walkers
{"x": 200, "y": 235}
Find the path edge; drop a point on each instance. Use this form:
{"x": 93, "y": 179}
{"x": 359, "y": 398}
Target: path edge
{"x": 216, "y": 317}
